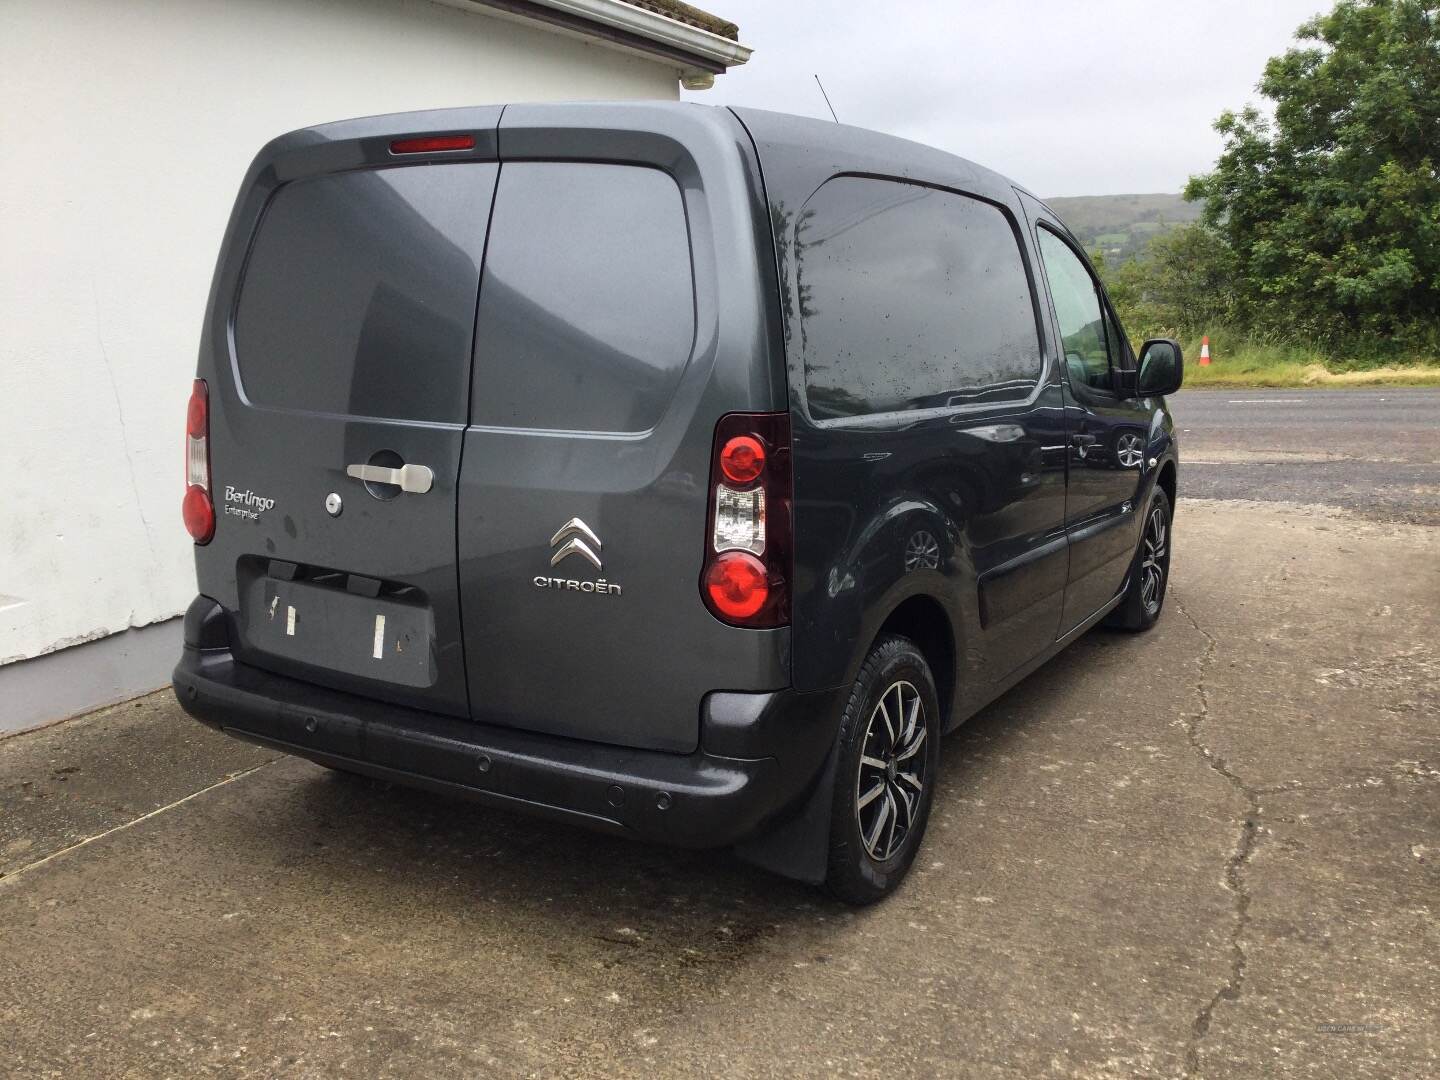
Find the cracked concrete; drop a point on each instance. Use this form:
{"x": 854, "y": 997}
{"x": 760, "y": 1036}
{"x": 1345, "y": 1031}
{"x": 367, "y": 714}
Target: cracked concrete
{"x": 1244, "y": 846}
{"x": 1321, "y": 699}
{"x": 1208, "y": 851}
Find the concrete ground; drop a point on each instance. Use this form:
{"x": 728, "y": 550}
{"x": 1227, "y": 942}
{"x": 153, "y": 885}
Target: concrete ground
{"x": 1212, "y": 851}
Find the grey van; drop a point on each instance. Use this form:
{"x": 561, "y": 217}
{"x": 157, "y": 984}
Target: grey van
{"x": 679, "y": 472}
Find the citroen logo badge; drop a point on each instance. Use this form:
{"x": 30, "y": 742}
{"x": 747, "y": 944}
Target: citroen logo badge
{"x": 576, "y": 538}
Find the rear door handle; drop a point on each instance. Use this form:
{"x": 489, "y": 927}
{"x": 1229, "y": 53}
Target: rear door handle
{"x": 415, "y": 479}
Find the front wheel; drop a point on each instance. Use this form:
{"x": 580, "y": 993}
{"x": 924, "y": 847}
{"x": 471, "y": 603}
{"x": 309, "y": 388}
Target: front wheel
{"x": 889, "y": 754}
{"x": 1150, "y": 573}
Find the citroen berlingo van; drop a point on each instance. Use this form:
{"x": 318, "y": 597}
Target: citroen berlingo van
{"x": 675, "y": 471}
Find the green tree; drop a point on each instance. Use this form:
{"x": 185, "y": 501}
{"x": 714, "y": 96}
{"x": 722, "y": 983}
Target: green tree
{"x": 1331, "y": 210}
{"x": 1181, "y": 284}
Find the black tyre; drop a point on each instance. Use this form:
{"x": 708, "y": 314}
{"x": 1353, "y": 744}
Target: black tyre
{"x": 889, "y": 754}
{"x": 1150, "y": 572}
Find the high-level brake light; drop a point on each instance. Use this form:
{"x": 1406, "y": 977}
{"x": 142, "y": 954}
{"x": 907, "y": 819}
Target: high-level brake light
{"x": 432, "y": 144}
{"x": 745, "y": 581}
{"x": 197, "y": 509}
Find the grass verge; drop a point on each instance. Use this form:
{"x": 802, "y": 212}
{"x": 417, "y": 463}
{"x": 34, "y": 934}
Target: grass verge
{"x": 1291, "y": 367}
{"x": 1220, "y": 375}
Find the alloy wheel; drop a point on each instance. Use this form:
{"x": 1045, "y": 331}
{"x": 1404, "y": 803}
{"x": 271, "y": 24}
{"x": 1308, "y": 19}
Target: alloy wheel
{"x": 891, "y": 780}
{"x": 1155, "y": 560}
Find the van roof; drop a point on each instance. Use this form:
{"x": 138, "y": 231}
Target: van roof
{"x": 798, "y": 153}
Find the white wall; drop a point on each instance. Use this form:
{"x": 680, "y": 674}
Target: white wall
{"x": 125, "y": 128}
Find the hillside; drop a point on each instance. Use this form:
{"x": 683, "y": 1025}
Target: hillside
{"x": 1120, "y": 225}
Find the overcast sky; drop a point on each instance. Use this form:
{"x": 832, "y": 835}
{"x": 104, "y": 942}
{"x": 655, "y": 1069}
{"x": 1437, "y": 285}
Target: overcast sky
{"x": 1068, "y": 98}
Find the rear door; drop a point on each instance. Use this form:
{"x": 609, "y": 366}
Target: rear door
{"x": 337, "y": 430}
{"x": 609, "y": 343}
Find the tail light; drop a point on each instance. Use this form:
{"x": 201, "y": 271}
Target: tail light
{"x": 197, "y": 509}
{"x": 746, "y": 580}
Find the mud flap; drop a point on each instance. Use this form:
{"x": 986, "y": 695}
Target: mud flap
{"x": 798, "y": 846}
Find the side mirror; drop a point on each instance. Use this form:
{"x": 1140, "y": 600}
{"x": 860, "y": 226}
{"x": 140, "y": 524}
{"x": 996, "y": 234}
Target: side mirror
{"x": 1162, "y": 368}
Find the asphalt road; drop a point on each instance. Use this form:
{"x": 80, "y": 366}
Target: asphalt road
{"x": 1376, "y": 452}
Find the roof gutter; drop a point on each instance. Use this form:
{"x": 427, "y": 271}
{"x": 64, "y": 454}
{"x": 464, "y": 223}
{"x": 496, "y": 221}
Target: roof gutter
{"x": 698, "y": 54}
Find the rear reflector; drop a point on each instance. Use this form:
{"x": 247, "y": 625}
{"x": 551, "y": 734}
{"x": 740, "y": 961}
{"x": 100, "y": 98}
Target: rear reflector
{"x": 197, "y": 509}
{"x": 433, "y": 144}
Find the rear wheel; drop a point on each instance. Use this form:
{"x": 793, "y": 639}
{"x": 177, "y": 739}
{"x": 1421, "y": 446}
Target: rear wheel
{"x": 885, "y": 780}
{"x": 1150, "y": 573}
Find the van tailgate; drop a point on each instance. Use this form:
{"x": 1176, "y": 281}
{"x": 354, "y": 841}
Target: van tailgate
{"x": 353, "y": 286}
{"x": 608, "y": 345}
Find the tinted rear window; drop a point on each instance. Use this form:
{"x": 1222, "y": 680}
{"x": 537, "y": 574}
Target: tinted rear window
{"x": 359, "y": 293}
{"x": 911, "y": 298}
{"x": 587, "y": 309}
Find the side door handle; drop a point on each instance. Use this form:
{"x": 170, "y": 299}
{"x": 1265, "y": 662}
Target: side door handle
{"x": 414, "y": 479}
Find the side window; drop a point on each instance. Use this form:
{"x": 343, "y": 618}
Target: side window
{"x": 911, "y": 298}
{"x": 587, "y": 303}
{"x": 1085, "y": 326}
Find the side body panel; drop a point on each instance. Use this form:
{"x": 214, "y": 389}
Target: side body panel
{"x": 1112, "y": 440}
{"x": 1103, "y": 507}
{"x": 985, "y": 479}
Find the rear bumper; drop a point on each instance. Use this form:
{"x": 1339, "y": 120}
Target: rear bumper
{"x": 760, "y": 753}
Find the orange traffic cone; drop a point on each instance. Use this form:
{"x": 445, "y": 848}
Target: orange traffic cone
{"x": 1205, "y": 351}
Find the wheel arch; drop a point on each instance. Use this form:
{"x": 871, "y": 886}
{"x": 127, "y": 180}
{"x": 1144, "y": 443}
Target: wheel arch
{"x": 796, "y": 846}
{"x": 922, "y": 619}
{"x": 1166, "y": 481}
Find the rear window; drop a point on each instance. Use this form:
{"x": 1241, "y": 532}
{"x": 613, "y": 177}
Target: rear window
{"x": 911, "y": 298}
{"x": 587, "y": 307}
{"x": 359, "y": 293}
